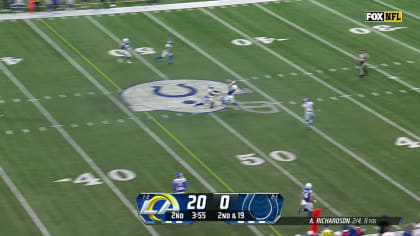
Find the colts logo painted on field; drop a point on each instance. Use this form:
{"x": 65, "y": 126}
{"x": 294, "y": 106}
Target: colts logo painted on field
{"x": 178, "y": 95}
{"x": 158, "y": 206}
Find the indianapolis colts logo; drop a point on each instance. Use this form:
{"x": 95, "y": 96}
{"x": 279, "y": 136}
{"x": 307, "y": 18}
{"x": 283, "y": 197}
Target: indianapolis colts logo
{"x": 263, "y": 207}
{"x": 180, "y": 95}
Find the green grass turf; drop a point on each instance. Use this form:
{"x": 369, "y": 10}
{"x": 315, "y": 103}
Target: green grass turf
{"x": 34, "y": 160}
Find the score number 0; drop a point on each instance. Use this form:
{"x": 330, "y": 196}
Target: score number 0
{"x": 199, "y": 202}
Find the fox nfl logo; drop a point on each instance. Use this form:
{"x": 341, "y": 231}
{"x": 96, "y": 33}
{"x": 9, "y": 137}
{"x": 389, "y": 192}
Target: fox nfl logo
{"x": 383, "y": 16}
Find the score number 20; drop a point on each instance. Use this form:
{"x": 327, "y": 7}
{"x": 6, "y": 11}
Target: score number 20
{"x": 198, "y": 202}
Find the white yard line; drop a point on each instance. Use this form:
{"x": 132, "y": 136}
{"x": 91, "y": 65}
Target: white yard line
{"x": 365, "y": 26}
{"x": 396, "y": 8}
{"x": 75, "y": 146}
{"x": 314, "y": 77}
{"x": 125, "y": 10}
{"x": 158, "y": 72}
{"x": 23, "y": 201}
{"x": 238, "y": 77}
{"x": 332, "y": 45}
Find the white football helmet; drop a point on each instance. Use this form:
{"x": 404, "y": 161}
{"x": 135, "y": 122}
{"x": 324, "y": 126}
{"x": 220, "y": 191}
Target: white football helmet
{"x": 125, "y": 40}
{"x": 308, "y": 185}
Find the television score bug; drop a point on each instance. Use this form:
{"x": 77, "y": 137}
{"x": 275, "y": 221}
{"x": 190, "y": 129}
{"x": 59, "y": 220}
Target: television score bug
{"x": 232, "y": 208}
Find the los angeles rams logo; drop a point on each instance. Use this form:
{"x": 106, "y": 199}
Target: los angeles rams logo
{"x": 178, "y": 95}
{"x": 158, "y": 206}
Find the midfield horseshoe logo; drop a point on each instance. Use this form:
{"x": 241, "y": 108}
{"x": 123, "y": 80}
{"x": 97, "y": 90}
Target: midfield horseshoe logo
{"x": 190, "y": 93}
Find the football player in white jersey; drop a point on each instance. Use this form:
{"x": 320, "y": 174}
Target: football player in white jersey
{"x": 232, "y": 88}
{"x": 167, "y": 52}
{"x": 307, "y": 200}
{"x": 125, "y": 47}
{"x": 209, "y": 98}
{"x": 308, "y": 107}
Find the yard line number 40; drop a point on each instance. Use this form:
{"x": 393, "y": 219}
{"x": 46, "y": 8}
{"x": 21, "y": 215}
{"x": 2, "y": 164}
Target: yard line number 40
{"x": 89, "y": 179}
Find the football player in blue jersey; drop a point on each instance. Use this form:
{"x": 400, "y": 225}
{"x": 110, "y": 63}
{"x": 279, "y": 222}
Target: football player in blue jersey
{"x": 167, "y": 52}
{"x": 125, "y": 47}
{"x": 307, "y": 200}
{"x": 179, "y": 183}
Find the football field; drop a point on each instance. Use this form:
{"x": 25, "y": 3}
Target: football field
{"x": 83, "y": 132}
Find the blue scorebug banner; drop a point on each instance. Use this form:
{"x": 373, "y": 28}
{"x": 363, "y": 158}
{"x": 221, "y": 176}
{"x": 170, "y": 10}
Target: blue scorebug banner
{"x": 232, "y": 208}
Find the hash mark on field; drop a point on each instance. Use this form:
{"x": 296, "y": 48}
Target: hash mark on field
{"x": 62, "y": 96}
{"x": 267, "y": 76}
{"x": 320, "y": 99}
{"x": 403, "y": 91}
{"x": 47, "y": 97}
{"x": 77, "y": 94}
{"x": 26, "y": 131}
{"x": 393, "y": 77}
{"x": 1, "y": 101}
{"x": 90, "y": 124}
{"x": 411, "y": 62}
{"x": 63, "y": 180}
{"x": 165, "y": 116}
{"x": 280, "y": 75}
{"x": 334, "y": 98}
{"x": 42, "y": 128}
{"x": 332, "y": 69}
{"x": 383, "y": 64}
{"x": 292, "y": 102}
{"x": 91, "y": 93}
{"x": 16, "y": 99}
{"x": 74, "y": 125}
{"x": 345, "y": 96}
{"x": 9, "y": 131}
{"x": 32, "y": 100}
{"x": 361, "y": 95}
{"x": 308, "y": 73}
{"x": 319, "y": 71}
{"x": 415, "y": 88}
{"x": 121, "y": 120}
{"x": 389, "y": 92}
{"x": 375, "y": 94}
{"x": 55, "y": 126}
{"x": 105, "y": 122}
{"x": 293, "y": 73}
{"x": 255, "y": 77}
{"x": 396, "y": 63}
{"x": 345, "y": 68}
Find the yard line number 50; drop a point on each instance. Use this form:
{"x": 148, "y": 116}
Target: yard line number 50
{"x": 252, "y": 160}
